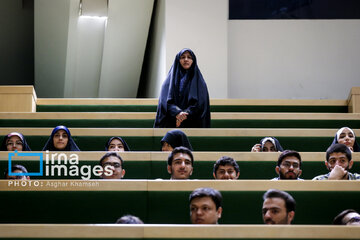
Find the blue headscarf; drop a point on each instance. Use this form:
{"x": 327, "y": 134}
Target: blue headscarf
{"x": 26, "y": 147}
{"x": 71, "y": 145}
{"x": 356, "y": 147}
{"x": 126, "y": 147}
{"x": 177, "y": 138}
{"x": 183, "y": 91}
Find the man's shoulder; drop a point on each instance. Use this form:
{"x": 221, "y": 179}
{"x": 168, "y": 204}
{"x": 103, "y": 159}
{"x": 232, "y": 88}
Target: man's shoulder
{"x": 322, "y": 177}
{"x": 354, "y": 176}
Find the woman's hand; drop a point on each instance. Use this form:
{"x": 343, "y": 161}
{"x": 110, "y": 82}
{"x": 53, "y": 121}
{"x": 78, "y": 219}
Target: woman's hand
{"x": 256, "y": 148}
{"x": 180, "y": 118}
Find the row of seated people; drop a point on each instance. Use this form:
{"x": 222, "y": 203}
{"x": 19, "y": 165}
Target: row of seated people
{"x": 180, "y": 166}
{"x": 61, "y": 140}
{"x": 278, "y": 208}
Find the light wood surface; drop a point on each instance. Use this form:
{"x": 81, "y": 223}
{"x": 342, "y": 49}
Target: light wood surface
{"x": 151, "y": 115}
{"x": 178, "y": 185}
{"x": 226, "y": 102}
{"x": 198, "y": 156}
{"x": 168, "y": 231}
{"x": 230, "y": 132}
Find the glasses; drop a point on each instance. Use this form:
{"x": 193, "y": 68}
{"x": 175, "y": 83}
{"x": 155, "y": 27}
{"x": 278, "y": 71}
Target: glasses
{"x": 18, "y": 143}
{"x": 288, "y": 165}
{"x": 114, "y": 164}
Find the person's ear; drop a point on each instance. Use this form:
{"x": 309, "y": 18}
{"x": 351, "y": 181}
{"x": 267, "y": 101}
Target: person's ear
{"x": 169, "y": 169}
{"x": 191, "y": 172}
{"x": 351, "y": 162}
{"x": 214, "y": 175}
{"x": 300, "y": 172}
{"x": 291, "y": 216}
{"x": 219, "y": 212}
{"x": 122, "y": 173}
{"x": 277, "y": 170}
{"x": 327, "y": 165}
{"x": 237, "y": 175}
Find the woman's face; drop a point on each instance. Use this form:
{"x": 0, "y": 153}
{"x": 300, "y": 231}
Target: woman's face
{"x": 166, "y": 147}
{"x": 116, "y": 146}
{"x": 186, "y": 60}
{"x": 14, "y": 143}
{"x": 347, "y": 137}
{"x": 269, "y": 147}
{"x": 60, "y": 139}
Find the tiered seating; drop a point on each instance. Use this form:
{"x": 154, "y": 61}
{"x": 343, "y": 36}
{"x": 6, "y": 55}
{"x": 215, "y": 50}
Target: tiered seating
{"x": 304, "y": 125}
{"x": 166, "y": 202}
{"x": 152, "y": 165}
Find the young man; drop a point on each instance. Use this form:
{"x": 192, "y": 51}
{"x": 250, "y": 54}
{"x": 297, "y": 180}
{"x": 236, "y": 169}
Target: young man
{"x": 205, "y": 206}
{"x": 113, "y": 161}
{"x": 226, "y": 168}
{"x": 16, "y": 168}
{"x": 180, "y": 163}
{"x": 288, "y": 166}
{"x": 278, "y": 207}
{"x": 338, "y": 162}
{"x": 347, "y": 217}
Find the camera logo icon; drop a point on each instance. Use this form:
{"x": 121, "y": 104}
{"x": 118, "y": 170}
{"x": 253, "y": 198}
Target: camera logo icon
{"x": 14, "y": 154}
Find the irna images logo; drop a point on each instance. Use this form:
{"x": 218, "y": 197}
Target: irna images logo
{"x": 59, "y": 164}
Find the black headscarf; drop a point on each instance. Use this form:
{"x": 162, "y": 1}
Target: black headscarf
{"x": 177, "y": 138}
{"x": 274, "y": 141}
{"x": 126, "y": 147}
{"x": 193, "y": 99}
{"x": 22, "y": 138}
{"x": 356, "y": 146}
{"x": 71, "y": 145}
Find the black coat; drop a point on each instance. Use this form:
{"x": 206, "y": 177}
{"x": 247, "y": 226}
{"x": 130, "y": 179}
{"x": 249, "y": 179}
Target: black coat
{"x": 193, "y": 99}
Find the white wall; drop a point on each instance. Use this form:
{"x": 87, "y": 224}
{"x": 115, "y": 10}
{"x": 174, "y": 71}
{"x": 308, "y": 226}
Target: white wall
{"x": 84, "y": 54}
{"x": 157, "y": 52}
{"x": 51, "y": 18}
{"x": 124, "y": 47}
{"x": 77, "y": 57}
{"x": 293, "y": 59}
{"x": 200, "y": 25}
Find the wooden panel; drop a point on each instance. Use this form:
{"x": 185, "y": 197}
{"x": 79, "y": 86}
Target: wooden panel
{"x": 159, "y": 231}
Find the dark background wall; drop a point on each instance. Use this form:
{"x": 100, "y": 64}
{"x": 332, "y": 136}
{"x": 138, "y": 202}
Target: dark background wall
{"x": 17, "y": 42}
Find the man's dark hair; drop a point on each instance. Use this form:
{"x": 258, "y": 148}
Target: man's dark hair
{"x": 129, "y": 219}
{"x": 338, "y": 220}
{"x": 112, "y": 154}
{"x": 13, "y": 168}
{"x": 275, "y": 193}
{"x": 180, "y": 150}
{"x": 214, "y": 194}
{"x": 338, "y": 148}
{"x": 289, "y": 153}
{"x": 224, "y": 160}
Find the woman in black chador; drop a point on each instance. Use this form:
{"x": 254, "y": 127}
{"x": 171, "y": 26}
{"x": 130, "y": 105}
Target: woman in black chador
{"x": 184, "y": 98}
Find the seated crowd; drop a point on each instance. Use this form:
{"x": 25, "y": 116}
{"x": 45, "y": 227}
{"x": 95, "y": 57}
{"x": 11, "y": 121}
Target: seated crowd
{"x": 206, "y": 203}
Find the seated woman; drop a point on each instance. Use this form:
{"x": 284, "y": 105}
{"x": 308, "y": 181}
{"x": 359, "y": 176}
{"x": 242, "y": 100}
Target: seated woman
{"x": 175, "y": 138}
{"x": 346, "y": 135}
{"x": 60, "y": 140}
{"x": 268, "y": 144}
{"x": 116, "y": 144}
{"x": 184, "y": 98}
{"x": 14, "y": 141}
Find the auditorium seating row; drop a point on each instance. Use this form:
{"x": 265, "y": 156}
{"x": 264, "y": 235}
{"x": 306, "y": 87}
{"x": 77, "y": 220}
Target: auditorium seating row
{"x": 146, "y": 120}
{"x": 165, "y": 201}
{"x": 153, "y": 165}
{"x": 148, "y": 139}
